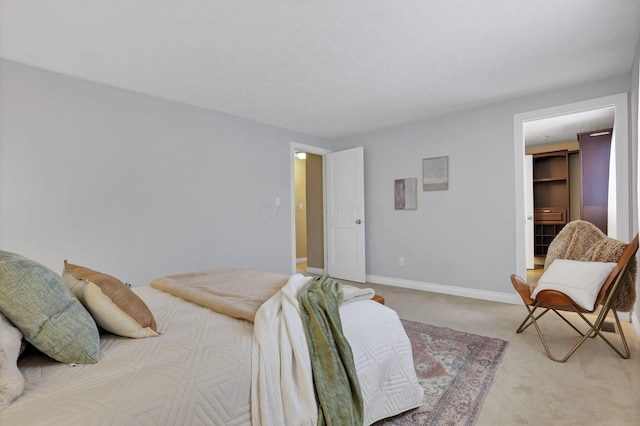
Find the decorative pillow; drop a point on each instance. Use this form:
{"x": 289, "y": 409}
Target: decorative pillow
{"x": 113, "y": 305}
{"x": 581, "y": 281}
{"x": 37, "y": 301}
{"x": 11, "y": 379}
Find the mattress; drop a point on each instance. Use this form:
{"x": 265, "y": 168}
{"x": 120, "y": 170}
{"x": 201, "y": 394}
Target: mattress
{"x": 198, "y": 371}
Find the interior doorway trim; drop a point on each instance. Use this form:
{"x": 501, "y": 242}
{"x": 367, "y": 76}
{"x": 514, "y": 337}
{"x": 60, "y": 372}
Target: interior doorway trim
{"x": 622, "y": 145}
{"x": 293, "y": 148}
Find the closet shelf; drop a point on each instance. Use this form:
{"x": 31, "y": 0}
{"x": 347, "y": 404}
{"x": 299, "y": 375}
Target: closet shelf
{"x": 551, "y": 179}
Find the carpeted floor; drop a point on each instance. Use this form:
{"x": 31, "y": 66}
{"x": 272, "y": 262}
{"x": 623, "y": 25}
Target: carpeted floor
{"x": 455, "y": 369}
{"x": 595, "y": 387}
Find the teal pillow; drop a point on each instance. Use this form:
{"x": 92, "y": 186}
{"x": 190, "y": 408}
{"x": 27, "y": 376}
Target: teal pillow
{"x": 38, "y": 302}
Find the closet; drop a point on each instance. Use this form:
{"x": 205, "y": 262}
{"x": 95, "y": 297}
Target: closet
{"x": 554, "y": 203}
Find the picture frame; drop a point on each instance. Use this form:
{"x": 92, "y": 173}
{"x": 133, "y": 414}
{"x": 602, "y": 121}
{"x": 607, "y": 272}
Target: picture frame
{"x": 405, "y": 194}
{"x": 435, "y": 173}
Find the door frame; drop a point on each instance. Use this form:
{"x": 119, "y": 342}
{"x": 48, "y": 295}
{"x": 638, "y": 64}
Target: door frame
{"x": 293, "y": 148}
{"x": 530, "y": 233}
{"x": 622, "y": 162}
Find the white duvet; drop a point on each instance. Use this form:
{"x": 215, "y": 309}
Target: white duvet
{"x": 198, "y": 371}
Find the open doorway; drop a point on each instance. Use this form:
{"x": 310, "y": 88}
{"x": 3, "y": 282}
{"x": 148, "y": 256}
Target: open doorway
{"x": 307, "y": 208}
{"x": 309, "y": 212}
{"x": 343, "y": 215}
{"x": 556, "y": 192}
{"x": 620, "y": 162}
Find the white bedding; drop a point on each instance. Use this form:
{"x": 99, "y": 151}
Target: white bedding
{"x": 282, "y": 382}
{"x": 198, "y": 371}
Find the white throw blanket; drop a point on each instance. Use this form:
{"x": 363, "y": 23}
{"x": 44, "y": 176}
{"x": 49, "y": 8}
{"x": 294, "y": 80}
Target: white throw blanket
{"x": 282, "y": 382}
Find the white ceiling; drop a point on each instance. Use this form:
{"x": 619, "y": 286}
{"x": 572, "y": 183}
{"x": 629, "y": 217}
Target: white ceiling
{"x": 328, "y": 68}
{"x": 565, "y": 128}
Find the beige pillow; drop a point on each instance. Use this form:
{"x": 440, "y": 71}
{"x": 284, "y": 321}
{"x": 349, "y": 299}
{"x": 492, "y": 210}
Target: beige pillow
{"x": 113, "y": 305}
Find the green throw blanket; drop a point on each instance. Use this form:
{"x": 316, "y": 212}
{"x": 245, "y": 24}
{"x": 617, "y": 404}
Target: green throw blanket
{"x": 334, "y": 374}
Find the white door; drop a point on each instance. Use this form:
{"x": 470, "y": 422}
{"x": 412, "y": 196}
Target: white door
{"x": 528, "y": 209}
{"x": 345, "y": 214}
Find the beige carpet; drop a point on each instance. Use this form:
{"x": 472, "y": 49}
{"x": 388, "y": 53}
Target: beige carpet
{"x": 594, "y": 387}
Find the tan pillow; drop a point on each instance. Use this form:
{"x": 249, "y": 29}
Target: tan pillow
{"x": 113, "y": 305}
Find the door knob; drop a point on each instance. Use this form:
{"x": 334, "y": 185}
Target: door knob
{"x": 358, "y": 221}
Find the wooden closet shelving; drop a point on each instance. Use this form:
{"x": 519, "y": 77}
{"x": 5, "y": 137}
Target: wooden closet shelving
{"x": 550, "y": 197}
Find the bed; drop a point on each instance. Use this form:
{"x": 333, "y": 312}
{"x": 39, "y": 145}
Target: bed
{"x": 198, "y": 370}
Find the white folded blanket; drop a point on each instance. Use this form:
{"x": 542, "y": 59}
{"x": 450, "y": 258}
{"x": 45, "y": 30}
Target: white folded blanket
{"x": 282, "y": 397}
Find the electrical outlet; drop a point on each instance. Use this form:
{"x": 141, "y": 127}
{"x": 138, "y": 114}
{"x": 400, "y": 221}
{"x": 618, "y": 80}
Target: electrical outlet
{"x": 401, "y": 261}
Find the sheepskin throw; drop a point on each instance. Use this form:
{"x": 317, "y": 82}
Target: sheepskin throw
{"x": 237, "y": 293}
{"x": 11, "y": 379}
{"x": 581, "y": 240}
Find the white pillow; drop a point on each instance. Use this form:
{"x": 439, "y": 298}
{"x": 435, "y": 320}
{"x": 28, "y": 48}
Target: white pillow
{"x": 11, "y": 379}
{"x": 581, "y": 281}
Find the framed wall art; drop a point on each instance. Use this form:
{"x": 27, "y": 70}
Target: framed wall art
{"x": 406, "y": 197}
{"x": 435, "y": 173}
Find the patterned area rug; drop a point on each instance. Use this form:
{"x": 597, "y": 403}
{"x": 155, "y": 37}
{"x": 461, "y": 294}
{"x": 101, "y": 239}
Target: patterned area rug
{"x": 455, "y": 369}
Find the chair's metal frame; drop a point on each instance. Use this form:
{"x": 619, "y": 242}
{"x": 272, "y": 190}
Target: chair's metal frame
{"x": 551, "y": 300}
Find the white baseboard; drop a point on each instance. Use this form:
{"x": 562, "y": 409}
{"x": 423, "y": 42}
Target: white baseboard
{"x": 446, "y": 289}
{"x": 315, "y": 271}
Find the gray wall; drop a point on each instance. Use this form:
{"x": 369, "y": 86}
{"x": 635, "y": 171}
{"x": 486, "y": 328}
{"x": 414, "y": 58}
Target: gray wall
{"x": 464, "y": 236}
{"x": 137, "y": 186}
{"x": 141, "y": 187}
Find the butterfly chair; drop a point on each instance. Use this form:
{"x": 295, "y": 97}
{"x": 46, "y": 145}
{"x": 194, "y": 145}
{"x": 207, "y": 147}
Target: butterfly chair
{"x": 557, "y": 301}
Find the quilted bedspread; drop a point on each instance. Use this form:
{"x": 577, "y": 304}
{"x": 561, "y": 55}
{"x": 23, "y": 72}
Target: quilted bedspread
{"x": 198, "y": 371}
